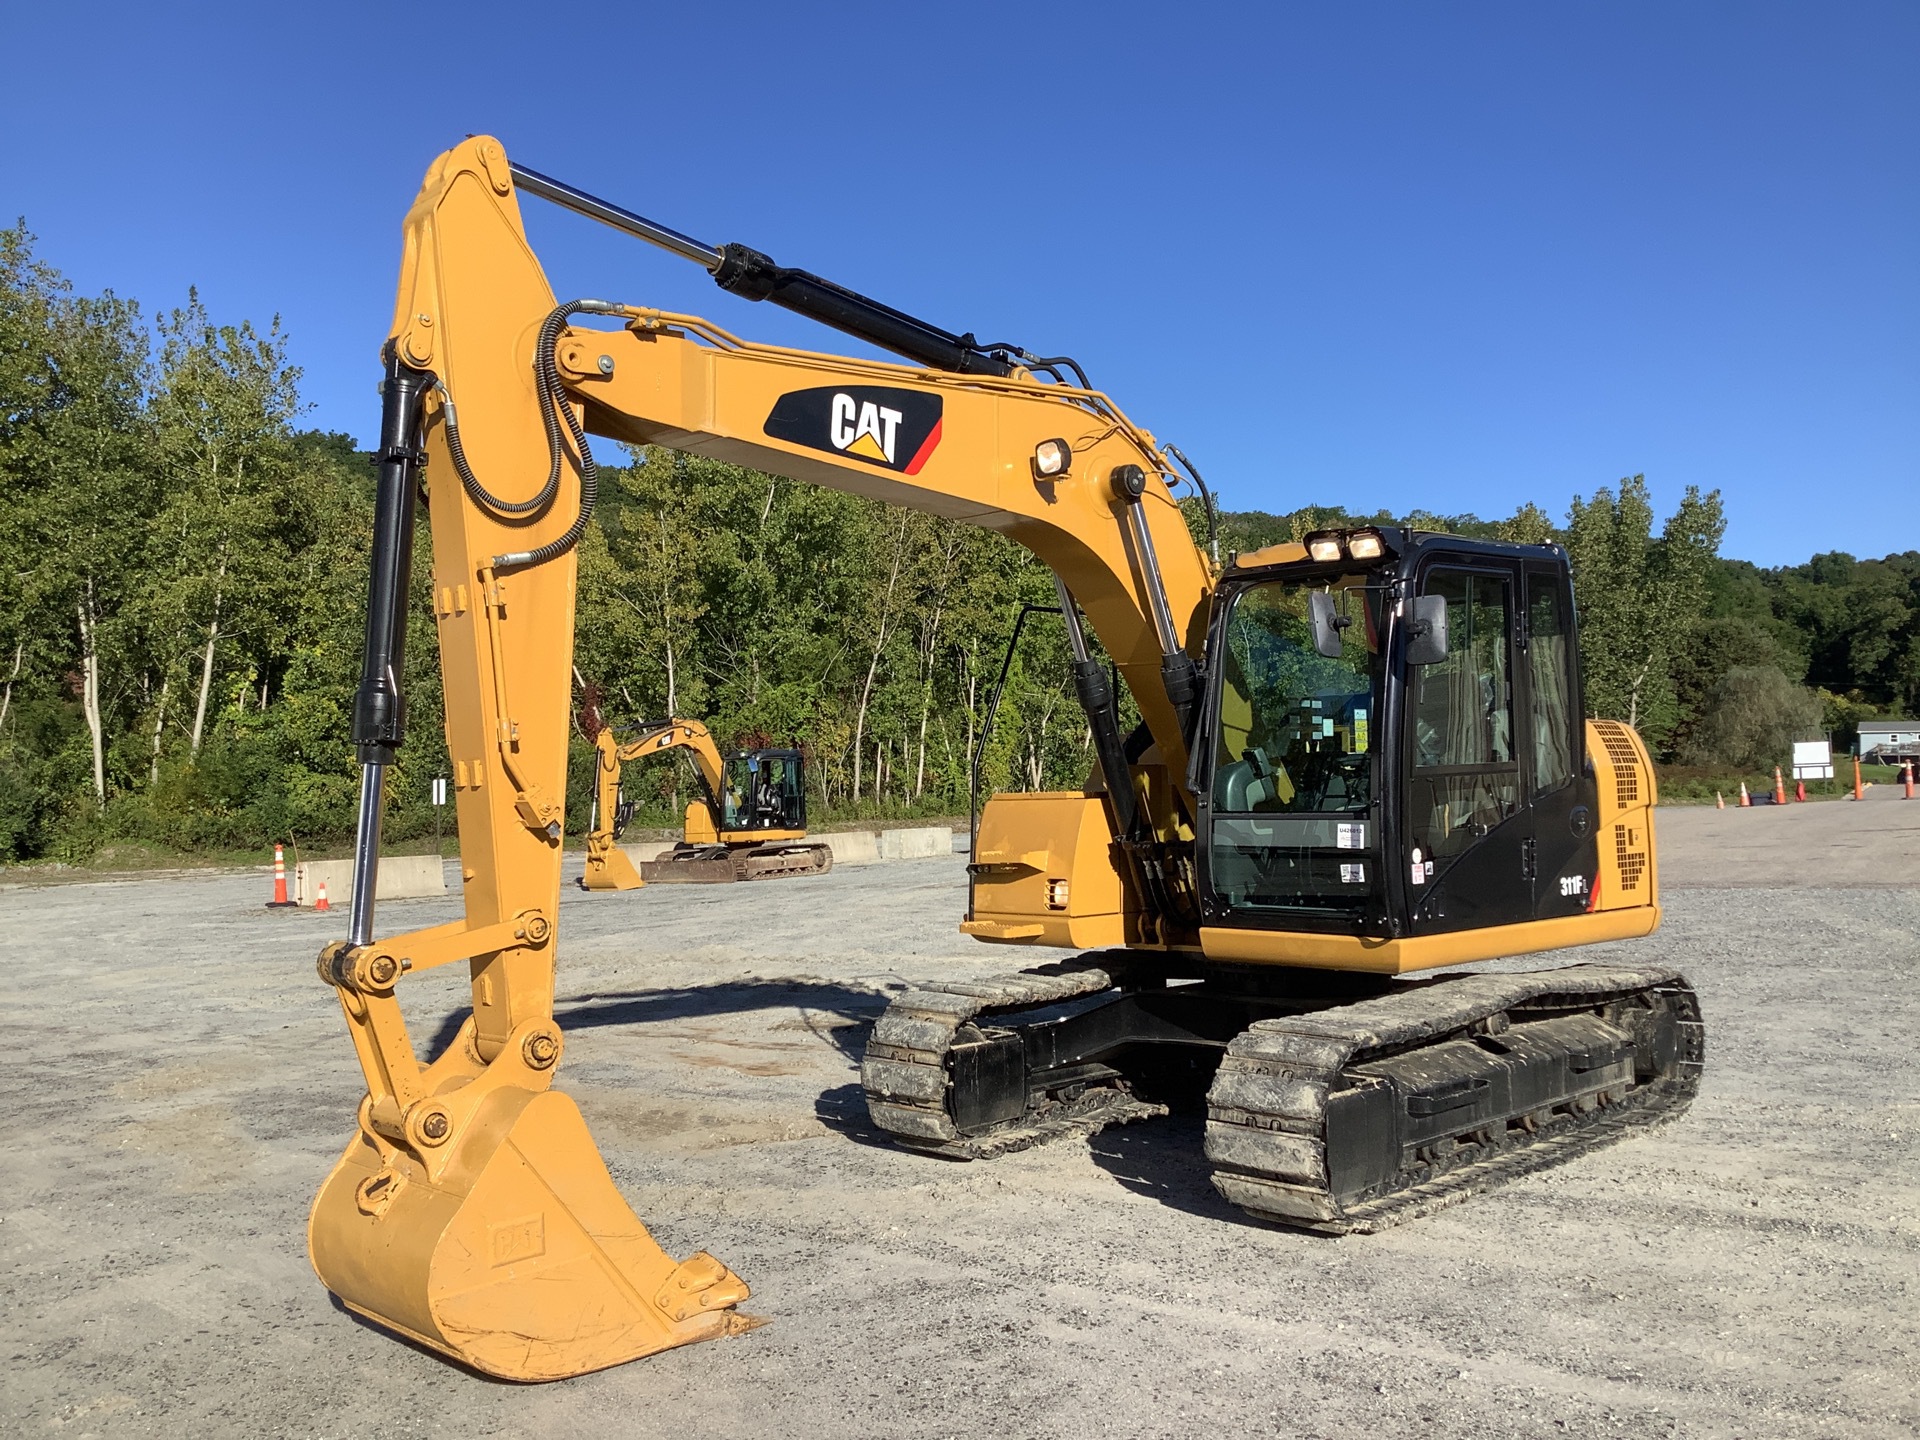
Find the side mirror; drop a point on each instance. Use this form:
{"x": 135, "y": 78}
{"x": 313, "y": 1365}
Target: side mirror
{"x": 1326, "y": 625}
{"x": 1427, "y": 637}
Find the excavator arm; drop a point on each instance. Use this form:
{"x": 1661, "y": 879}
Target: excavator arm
{"x": 472, "y": 1211}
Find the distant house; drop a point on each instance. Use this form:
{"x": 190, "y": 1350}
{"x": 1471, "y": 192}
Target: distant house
{"x": 1889, "y": 738}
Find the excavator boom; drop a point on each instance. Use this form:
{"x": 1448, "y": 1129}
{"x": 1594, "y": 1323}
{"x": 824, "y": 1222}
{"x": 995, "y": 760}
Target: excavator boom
{"x": 491, "y": 394}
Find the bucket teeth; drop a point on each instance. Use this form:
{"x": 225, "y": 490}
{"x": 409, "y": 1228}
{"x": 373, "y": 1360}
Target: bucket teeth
{"x": 700, "y": 1285}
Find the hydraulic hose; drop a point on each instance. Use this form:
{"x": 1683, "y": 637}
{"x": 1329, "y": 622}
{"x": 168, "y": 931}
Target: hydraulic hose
{"x": 1206, "y": 495}
{"x": 555, "y": 411}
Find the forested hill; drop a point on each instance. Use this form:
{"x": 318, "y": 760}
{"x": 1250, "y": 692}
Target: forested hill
{"x": 185, "y": 575}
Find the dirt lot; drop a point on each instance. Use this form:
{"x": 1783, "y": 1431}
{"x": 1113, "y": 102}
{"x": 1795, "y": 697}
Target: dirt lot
{"x": 178, "y": 1083}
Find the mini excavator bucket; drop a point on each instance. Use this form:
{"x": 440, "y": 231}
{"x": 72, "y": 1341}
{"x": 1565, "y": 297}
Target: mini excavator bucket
{"x": 608, "y": 867}
{"x": 487, "y": 1227}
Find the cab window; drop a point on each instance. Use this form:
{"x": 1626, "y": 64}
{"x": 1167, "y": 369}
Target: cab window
{"x": 1294, "y": 738}
{"x": 1466, "y": 779}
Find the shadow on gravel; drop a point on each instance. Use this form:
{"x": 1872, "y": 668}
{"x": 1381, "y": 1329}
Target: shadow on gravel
{"x": 1165, "y": 1160}
{"x": 840, "y": 1015}
{"x": 843, "y": 1110}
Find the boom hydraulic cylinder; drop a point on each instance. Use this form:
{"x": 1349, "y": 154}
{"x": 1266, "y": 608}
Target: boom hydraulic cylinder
{"x": 379, "y": 706}
{"x": 744, "y": 271}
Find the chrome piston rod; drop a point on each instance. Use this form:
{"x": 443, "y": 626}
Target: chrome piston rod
{"x": 366, "y": 854}
{"x": 607, "y": 213}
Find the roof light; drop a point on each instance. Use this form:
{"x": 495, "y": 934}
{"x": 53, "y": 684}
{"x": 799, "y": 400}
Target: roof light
{"x": 1325, "y": 549}
{"x": 1051, "y": 459}
{"x": 1366, "y": 545}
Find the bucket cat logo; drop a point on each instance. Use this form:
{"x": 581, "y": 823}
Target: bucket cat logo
{"x": 894, "y": 429}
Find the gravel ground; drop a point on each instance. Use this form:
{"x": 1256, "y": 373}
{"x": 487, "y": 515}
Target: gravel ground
{"x": 179, "y": 1084}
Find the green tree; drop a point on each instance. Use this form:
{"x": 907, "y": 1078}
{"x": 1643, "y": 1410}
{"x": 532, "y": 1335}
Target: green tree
{"x": 223, "y": 413}
{"x": 1752, "y": 719}
{"x": 1641, "y": 599}
{"x": 79, "y": 487}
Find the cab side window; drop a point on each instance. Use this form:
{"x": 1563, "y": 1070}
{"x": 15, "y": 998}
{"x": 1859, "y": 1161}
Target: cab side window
{"x": 1549, "y": 681}
{"x": 1465, "y": 776}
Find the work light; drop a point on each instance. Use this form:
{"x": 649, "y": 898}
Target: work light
{"x": 1051, "y": 459}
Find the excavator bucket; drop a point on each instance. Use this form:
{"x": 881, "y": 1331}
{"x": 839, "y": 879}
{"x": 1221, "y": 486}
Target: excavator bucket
{"x": 609, "y": 868}
{"x": 518, "y": 1257}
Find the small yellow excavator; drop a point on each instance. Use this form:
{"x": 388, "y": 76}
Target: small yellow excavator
{"x": 1361, "y": 759}
{"x": 750, "y": 825}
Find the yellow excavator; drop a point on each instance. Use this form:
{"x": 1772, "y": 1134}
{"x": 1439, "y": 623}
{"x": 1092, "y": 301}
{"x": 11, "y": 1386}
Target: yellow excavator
{"x": 751, "y": 824}
{"x": 1360, "y": 758}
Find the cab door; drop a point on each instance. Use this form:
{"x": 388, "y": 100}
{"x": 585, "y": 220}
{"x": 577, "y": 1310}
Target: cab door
{"x": 1560, "y": 792}
{"x": 1467, "y": 830}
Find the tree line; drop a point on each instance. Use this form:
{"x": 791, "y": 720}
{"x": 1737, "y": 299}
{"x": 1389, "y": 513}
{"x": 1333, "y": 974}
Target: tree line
{"x": 184, "y": 584}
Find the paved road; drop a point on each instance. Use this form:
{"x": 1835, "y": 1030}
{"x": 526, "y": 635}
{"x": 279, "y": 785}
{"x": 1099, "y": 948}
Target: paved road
{"x": 179, "y": 1083}
{"x": 1844, "y": 844}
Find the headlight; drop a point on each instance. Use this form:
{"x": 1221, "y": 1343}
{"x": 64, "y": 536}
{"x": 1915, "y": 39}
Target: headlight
{"x": 1366, "y": 545}
{"x": 1051, "y": 459}
{"x": 1325, "y": 549}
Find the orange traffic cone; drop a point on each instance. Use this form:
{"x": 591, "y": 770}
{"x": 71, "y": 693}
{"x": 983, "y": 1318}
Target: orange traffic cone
{"x": 1779, "y": 787}
{"x": 1719, "y": 801}
{"x": 1859, "y": 791}
{"x": 280, "y": 900}
{"x": 1746, "y": 800}
{"x": 1906, "y": 779}
{"x": 320, "y": 901}
{"x": 1800, "y": 790}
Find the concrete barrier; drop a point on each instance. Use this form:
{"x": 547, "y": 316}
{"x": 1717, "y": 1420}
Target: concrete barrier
{"x": 402, "y": 877}
{"x": 919, "y": 842}
{"x": 852, "y": 847}
{"x": 647, "y": 850}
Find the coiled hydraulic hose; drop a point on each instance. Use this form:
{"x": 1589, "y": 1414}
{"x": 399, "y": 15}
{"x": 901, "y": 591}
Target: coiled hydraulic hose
{"x": 555, "y": 410}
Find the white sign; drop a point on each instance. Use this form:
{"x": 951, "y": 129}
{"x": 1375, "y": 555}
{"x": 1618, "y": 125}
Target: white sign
{"x": 1350, "y": 837}
{"x": 440, "y": 791}
{"x": 1812, "y": 760}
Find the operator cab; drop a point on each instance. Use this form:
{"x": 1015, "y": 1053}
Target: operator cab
{"x": 1393, "y": 742}
{"x": 763, "y": 790}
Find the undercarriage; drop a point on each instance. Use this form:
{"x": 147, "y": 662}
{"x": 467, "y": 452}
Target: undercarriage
{"x": 722, "y": 864}
{"x": 1334, "y": 1102}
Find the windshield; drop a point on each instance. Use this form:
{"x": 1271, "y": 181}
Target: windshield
{"x": 763, "y": 792}
{"x": 1293, "y": 772}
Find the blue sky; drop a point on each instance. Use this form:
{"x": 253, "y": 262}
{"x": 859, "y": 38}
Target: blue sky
{"x": 1450, "y": 256}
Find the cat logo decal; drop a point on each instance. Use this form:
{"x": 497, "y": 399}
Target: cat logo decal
{"x": 893, "y": 429}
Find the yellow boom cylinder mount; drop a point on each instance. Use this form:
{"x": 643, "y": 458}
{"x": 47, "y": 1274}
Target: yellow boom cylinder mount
{"x": 471, "y": 1211}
